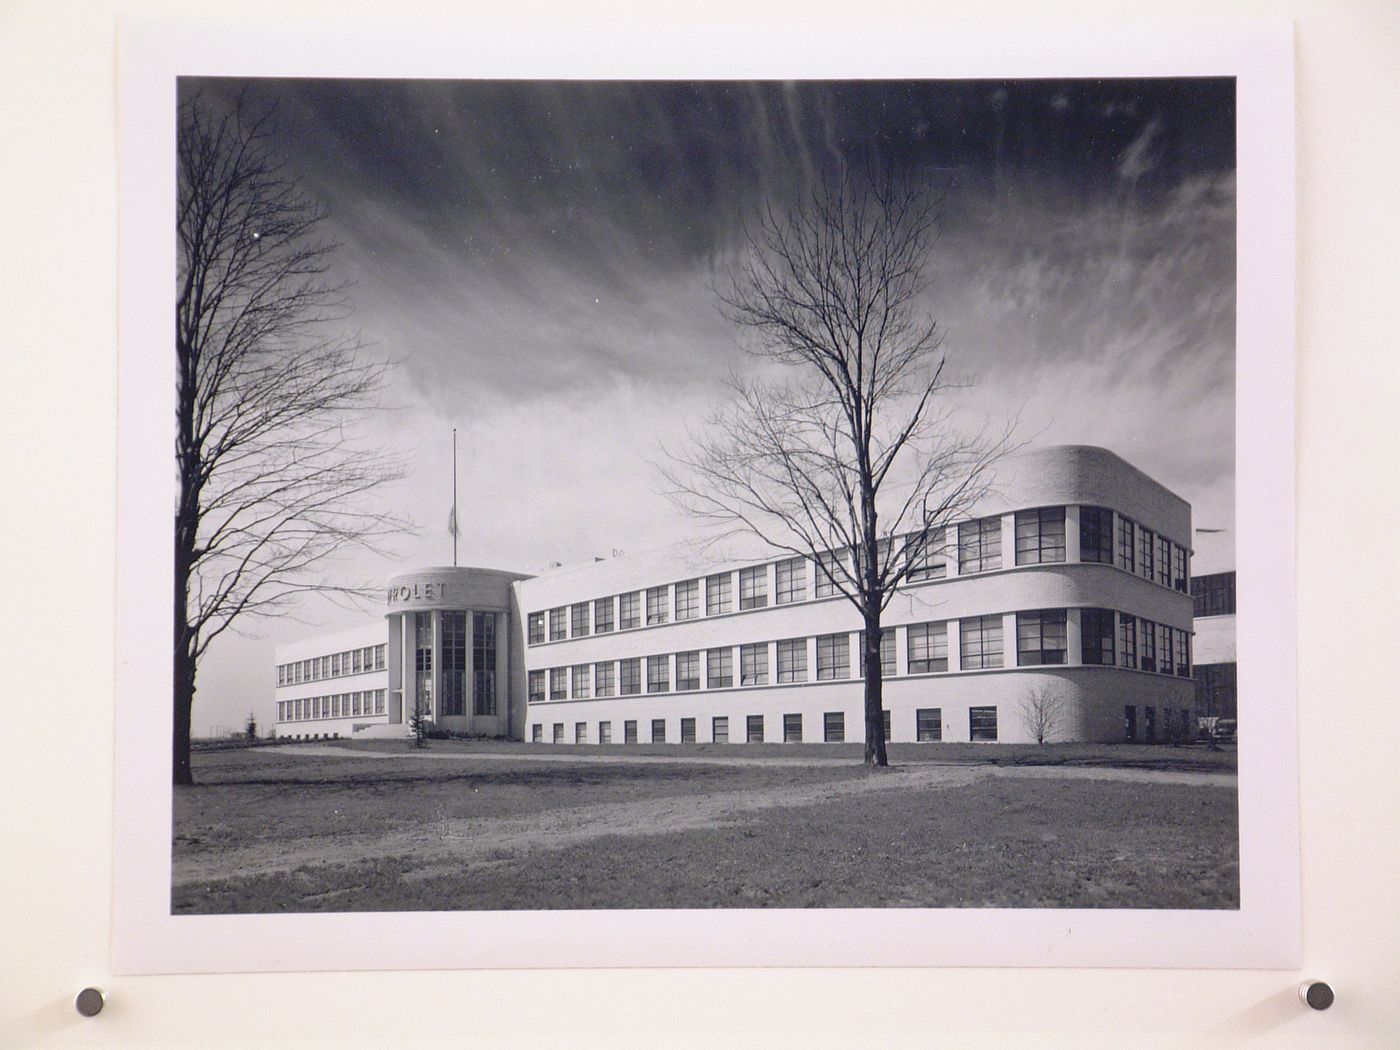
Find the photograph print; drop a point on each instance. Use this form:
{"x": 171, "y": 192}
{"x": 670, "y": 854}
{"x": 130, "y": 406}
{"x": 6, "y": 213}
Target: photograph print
{"x": 715, "y": 494}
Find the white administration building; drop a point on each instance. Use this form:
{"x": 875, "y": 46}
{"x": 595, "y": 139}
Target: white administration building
{"x": 1072, "y": 584}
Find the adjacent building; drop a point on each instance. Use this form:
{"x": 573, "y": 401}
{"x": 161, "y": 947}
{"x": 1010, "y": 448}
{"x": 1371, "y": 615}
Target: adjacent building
{"x": 1061, "y": 604}
{"x": 1213, "y": 598}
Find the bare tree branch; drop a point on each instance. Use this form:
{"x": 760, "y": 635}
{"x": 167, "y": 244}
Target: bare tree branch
{"x": 854, "y": 462}
{"x": 272, "y": 485}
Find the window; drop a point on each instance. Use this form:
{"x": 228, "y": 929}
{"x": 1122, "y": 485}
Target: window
{"x": 335, "y": 665}
{"x": 687, "y": 730}
{"x": 981, "y": 642}
{"x": 629, "y": 677}
{"x": 887, "y": 655}
{"x": 537, "y": 734}
{"x": 629, "y": 608}
{"x": 979, "y": 545}
{"x": 927, "y": 646}
{"x": 422, "y": 661}
{"x": 719, "y": 668}
{"x": 719, "y": 729}
{"x": 656, "y": 604}
{"x": 828, "y": 573}
{"x": 834, "y": 727}
{"x": 559, "y": 683}
{"x": 578, "y": 620}
{"x": 605, "y": 732}
{"x": 1179, "y": 580}
{"x": 982, "y": 723}
{"x": 379, "y": 701}
{"x": 629, "y": 731}
{"x": 558, "y": 732}
{"x": 927, "y": 555}
{"x": 928, "y": 724}
{"x": 602, "y": 616}
{"x": 1147, "y": 639}
{"x": 582, "y": 681}
{"x": 1164, "y": 649}
{"x": 688, "y": 600}
{"x": 484, "y": 663}
{"x": 1150, "y": 716}
{"x": 753, "y": 728}
{"x": 580, "y": 732}
{"x": 885, "y": 724}
{"x": 1040, "y": 637}
{"x": 753, "y": 587}
{"x": 792, "y": 729}
{"x": 658, "y": 730}
{"x": 792, "y": 581}
{"x": 454, "y": 662}
{"x": 753, "y": 664}
{"x": 381, "y": 653}
{"x": 558, "y": 627}
{"x": 603, "y": 679}
{"x": 1213, "y": 595}
{"x": 688, "y": 670}
{"x": 792, "y": 660}
{"x": 719, "y": 594}
{"x": 1129, "y": 723}
{"x": 1146, "y": 544}
{"x": 833, "y": 656}
{"x": 1183, "y": 654}
{"x": 1040, "y": 535}
{"x": 1127, "y": 641}
{"x": 1126, "y": 559}
{"x": 1096, "y": 630}
{"x": 1164, "y": 561}
{"x": 658, "y": 674}
{"x": 1096, "y": 535}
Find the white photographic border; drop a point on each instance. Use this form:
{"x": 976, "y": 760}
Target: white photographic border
{"x": 1263, "y": 933}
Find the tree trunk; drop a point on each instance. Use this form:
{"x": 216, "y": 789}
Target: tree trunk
{"x": 185, "y": 662}
{"x": 875, "y": 754}
{"x": 184, "y": 705}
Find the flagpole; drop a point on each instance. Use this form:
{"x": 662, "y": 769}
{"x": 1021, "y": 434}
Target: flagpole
{"x": 454, "y": 497}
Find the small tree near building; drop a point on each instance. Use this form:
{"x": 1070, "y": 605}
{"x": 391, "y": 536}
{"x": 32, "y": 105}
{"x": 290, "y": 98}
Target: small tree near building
{"x": 250, "y": 728}
{"x": 1043, "y": 711}
{"x": 419, "y": 723}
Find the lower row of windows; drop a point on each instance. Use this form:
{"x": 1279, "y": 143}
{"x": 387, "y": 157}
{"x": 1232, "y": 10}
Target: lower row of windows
{"x": 339, "y": 705}
{"x": 928, "y": 723}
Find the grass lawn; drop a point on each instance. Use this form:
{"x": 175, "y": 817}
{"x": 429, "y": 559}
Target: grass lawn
{"x": 474, "y": 826}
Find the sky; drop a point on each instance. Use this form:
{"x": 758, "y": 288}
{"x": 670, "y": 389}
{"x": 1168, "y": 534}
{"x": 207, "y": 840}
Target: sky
{"x": 538, "y": 259}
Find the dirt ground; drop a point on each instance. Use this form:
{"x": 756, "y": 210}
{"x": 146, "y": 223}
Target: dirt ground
{"x": 331, "y": 827}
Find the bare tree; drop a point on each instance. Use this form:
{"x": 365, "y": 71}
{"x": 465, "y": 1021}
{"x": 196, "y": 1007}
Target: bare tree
{"x": 1043, "y": 711}
{"x": 270, "y": 485}
{"x": 851, "y": 458}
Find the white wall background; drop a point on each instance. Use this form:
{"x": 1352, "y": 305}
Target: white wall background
{"x": 57, "y": 427}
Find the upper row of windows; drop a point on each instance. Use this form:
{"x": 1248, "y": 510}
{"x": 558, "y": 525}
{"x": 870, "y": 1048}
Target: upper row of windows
{"x": 336, "y": 665}
{"x": 1040, "y": 539}
{"x": 1106, "y": 638}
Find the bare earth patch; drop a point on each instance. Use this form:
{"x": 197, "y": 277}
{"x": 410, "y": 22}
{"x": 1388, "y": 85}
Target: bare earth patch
{"x": 322, "y": 830}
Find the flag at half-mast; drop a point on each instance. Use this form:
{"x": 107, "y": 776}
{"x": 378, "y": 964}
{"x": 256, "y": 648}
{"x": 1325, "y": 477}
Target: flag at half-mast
{"x": 452, "y": 529}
